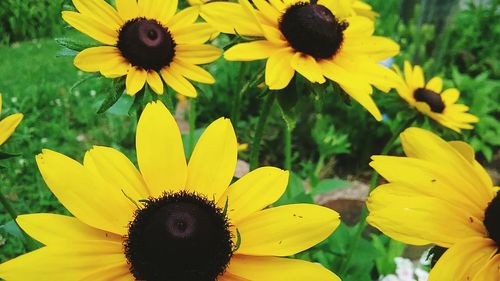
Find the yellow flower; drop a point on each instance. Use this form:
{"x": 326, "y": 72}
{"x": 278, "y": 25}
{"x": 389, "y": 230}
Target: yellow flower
{"x": 144, "y": 40}
{"x": 172, "y": 220}
{"x": 319, "y": 40}
{"x": 440, "y": 194}
{"x": 431, "y": 100}
{"x": 8, "y": 124}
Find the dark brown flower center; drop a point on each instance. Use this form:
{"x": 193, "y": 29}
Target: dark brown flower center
{"x": 146, "y": 44}
{"x": 431, "y": 98}
{"x": 312, "y": 29}
{"x": 492, "y": 219}
{"x": 179, "y": 237}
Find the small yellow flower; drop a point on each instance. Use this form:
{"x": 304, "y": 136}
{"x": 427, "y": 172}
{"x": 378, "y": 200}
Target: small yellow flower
{"x": 319, "y": 40}
{"x": 431, "y": 100}
{"x": 8, "y": 124}
{"x": 172, "y": 220}
{"x": 439, "y": 194}
{"x": 144, "y": 40}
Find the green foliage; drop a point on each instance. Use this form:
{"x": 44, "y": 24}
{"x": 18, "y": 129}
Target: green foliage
{"x": 28, "y": 19}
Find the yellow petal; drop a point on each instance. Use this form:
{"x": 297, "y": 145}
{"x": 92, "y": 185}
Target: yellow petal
{"x": 279, "y": 72}
{"x": 100, "y": 11}
{"x": 253, "y": 192}
{"x": 135, "y": 81}
{"x": 128, "y": 9}
{"x": 97, "y": 58}
{"x": 192, "y": 72}
{"x": 450, "y": 96}
{"x": 418, "y": 77}
{"x": 422, "y": 144}
{"x": 420, "y": 217}
{"x": 8, "y": 125}
{"x": 464, "y": 260}
{"x": 255, "y": 50}
{"x": 96, "y": 204}
{"x": 118, "y": 67}
{"x": 306, "y": 65}
{"x": 183, "y": 18}
{"x": 268, "y": 11}
{"x": 154, "y": 81}
{"x": 286, "y": 230}
{"x": 117, "y": 170}
{"x": 491, "y": 271}
{"x": 408, "y": 71}
{"x": 278, "y": 269}
{"x": 197, "y": 54}
{"x": 230, "y": 18}
{"x": 52, "y": 229}
{"x": 115, "y": 272}
{"x": 213, "y": 161}
{"x": 197, "y": 33}
{"x": 375, "y": 47}
{"x": 427, "y": 178}
{"x": 354, "y": 86}
{"x": 378, "y": 75}
{"x": 359, "y": 27}
{"x": 435, "y": 84}
{"x": 160, "y": 10}
{"x": 160, "y": 152}
{"x": 72, "y": 261}
{"x": 177, "y": 82}
{"x": 89, "y": 26}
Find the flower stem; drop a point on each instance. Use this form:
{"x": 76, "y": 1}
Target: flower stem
{"x": 264, "y": 114}
{"x": 235, "y": 111}
{"x": 288, "y": 148}
{"x": 373, "y": 183}
{"x": 192, "y": 124}
{"x": 29, "y": 244}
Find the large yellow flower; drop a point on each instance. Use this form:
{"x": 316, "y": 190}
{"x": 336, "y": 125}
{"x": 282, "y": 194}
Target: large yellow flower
{"x": 144, "y": 39}
{"x": 319, "y": 40}
{"x": 8, "y": 124}
{"x": 170, "y": 221}
{"x": 430, "y": 99}
{"x": 440, "y": 194}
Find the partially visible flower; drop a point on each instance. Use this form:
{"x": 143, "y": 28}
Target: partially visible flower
{"x": 8, "y": 124}
{"x": 144, "y": 40}
{"x": 421, "y": 274}
{"x": 430, "y": 99}
{"x": 319, "y": 40}
{"x": 171, "y": 219}
{"x": 439, "y": 194}
{"x": 404, "y": 269}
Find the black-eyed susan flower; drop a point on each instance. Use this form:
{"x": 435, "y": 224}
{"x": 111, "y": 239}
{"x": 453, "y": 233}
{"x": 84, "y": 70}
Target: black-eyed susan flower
{"x": 439, "y": 194}
{"x": 173, "y": 220}
{"x": 430, "y": 99}
{"x": 144, "y": 40}
{"x": 318, "y": 39}
{"x": 8, "y": 124}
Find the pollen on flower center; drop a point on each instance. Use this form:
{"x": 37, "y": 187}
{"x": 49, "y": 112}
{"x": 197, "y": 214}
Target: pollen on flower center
{"x": 179, "y": 237}
{"x": 433, "y": 99}
{"x": 312, "y": 29}
{"x": 491, "y": 219}
{"x": 146, "y": 44}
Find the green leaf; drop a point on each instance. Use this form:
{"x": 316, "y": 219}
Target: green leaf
{"x": 328, "y": 185}
{"x": 75, "y": 45}
{"x": 6, "y": 155}
{"x": 287, "y": 100}
{"x": 114, "y": 94}
{"x": 13, "y": 229}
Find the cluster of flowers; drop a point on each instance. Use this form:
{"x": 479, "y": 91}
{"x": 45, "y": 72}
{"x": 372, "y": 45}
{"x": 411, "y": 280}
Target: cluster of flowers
{"x": 174, "y": 219}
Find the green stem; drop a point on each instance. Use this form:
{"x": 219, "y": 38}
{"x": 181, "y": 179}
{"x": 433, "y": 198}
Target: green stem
{"x": 8, "y": 207}
{"x": 29, "y": 244}
{"x": 235, "y": 112}
{"x": 264, "y": 114}
{"x": 288, "y": 148}
{"x": 192, "y": 124}
{"x": 373, "y": 183}
{"x": 319, "y": 166}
